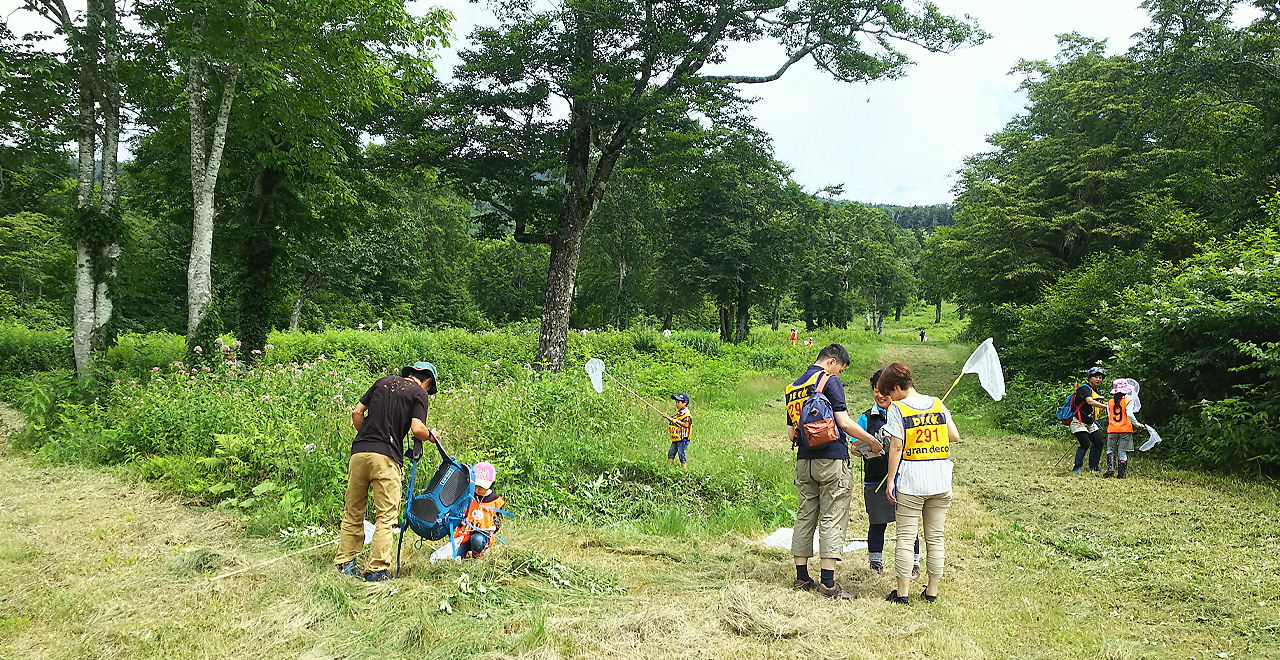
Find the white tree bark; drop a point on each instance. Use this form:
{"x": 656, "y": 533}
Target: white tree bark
{"x": 109, "y": 82}
{"x": 85, "y": 50}
{"x": 205, "y": 164}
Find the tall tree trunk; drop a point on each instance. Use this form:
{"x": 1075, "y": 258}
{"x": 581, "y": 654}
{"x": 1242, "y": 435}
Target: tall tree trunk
{"x": 561, "y": 274}
{"x": 206, "y": 161}
{"x": 937, "y": 312}
{"x": 260, "y": 250}
{"x": 744, "y": 314}
{"x": 897, "y": 313}
{"x": 960, "y": 311}
{"x": 83, "y": 315}
{"x": 726, "y": 325}
{"x": 109, "y": 84}
{"x": 308, "y": 283}
{"x": 666, "y": 323}
{"x": 777, "y": 312}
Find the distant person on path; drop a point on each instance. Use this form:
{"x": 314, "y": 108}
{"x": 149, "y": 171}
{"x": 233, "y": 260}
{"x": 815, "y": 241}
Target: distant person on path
{"x": 1083, "y": 425}
{"x": 793, "y": 337}
{"x": 874, "y": 478}
{"x": 824, "y": 480}
{"x": 678, "y": 426}
{"x": 1120, "y": 423}
{"x": 922, "y": 335}
{"x": 392, "y": 408}
{"x": 920, "y": 432}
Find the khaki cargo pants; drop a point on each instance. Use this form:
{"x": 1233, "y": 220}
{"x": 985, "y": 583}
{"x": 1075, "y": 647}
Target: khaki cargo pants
{"x": 824, "y": 487}
{"x": 366, "y": 471}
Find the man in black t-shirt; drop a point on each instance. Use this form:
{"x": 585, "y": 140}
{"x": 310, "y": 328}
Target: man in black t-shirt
{"x": 824, "y": 479}
{"x": 392, "y": 408}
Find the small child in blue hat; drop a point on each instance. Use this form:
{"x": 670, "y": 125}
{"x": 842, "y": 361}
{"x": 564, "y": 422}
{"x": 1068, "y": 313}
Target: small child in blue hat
{"x": 678, "y": 426}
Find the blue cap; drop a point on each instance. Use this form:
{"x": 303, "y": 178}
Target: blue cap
{"x": 418, "y": 369}
{"x": 682, "y": 397}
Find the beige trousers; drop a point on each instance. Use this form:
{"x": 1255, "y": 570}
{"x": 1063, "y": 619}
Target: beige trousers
{"x": 912, "y": 509}
{"x": 365, "y": 471}
{"x": 824, "y": 487}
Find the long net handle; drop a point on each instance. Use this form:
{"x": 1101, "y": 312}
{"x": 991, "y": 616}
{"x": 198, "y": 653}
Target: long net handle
{"x": 953, "y": 386}
{"x": 272, "y": 561}
{"x": 642, "y": 399}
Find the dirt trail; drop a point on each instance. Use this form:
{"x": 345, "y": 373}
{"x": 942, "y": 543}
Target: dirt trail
{"x": 1041, "y": 564}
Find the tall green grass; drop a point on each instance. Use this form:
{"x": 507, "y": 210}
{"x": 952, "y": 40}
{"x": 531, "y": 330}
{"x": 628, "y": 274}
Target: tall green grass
{"x": 272, "y": 440}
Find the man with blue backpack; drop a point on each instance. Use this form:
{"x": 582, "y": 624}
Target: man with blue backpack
{"x": 819, "y": 424}
{"x": 394, "y": 407}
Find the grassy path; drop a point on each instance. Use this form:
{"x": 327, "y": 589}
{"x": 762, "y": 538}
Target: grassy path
{"x": 1041, "y": 564}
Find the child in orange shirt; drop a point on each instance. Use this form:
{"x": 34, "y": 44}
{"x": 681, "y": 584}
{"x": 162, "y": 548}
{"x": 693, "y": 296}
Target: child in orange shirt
{"x": 484, "y": 515}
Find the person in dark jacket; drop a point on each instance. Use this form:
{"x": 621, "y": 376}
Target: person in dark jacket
{"x": 880, "y": 511}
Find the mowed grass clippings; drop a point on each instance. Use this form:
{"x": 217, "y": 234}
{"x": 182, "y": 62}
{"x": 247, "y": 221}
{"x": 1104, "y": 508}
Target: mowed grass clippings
{"x": 1041, "y": 564}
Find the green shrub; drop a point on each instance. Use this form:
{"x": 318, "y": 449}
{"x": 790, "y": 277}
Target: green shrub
{"x": 24, "y": 351}
{"x": 1031, "y": 407}
{"x": 135, "y": 354}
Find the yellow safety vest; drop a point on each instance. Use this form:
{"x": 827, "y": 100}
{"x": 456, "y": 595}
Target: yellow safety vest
{"x": 926, "y": 430}
{"x": 796, "y": 395}
{"x": 678, "y": 433}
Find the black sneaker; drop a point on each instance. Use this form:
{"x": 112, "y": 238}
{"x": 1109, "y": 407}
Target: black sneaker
{"x": 834, "y": 592}
{"x": 378, "y": 576}
{"x": 931, "y": 599}
{"x": 915, "y": 571}
{"x": 893, "y": 597}
{"x": 878, "y": 568}
{"x": 349, "y": 569}
{"x": 803, "y": 585}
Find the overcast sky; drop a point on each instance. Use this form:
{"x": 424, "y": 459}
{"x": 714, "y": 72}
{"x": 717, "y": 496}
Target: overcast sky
{"x": 898, "y": 142}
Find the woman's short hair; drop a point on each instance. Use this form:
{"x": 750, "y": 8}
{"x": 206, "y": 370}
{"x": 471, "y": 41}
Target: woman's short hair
{"x": 894, "y": 376}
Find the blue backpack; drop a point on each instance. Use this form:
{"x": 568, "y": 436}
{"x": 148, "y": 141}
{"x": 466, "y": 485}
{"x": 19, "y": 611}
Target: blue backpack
{"x": 818, "y": 418}
{"x": 442, "y": 508}
{"x": 1067, "y": 411}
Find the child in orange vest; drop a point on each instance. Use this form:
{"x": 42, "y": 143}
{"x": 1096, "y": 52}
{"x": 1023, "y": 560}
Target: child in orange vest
{"x": 678, "y": 426}
{"x": 1120, "y": 423}
{"x": 484, "y": 515}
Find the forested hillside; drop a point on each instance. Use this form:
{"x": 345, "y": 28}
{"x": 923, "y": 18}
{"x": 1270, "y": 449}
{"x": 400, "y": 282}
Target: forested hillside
{"x": 314, "y": 173}
{"x": 1128, "y": 219}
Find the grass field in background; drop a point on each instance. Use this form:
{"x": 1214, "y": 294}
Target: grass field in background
{"x": 1041, "y": 564}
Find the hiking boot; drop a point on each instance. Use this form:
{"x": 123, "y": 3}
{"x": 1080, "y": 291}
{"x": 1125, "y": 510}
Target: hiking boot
{"x": 803, "y": 585}
{"x": 893, "y": 597}
{"x": 349, "y": 569}
{"x": 1124, "y": 467}
{"x": 1108, "y": 474}
{"x": 834, "y": 592}
{"x": 1075, "y": 470}
{"x": 878, "y": 568}
{"x": 915, "y": 571}
{"x": 378, "y": 576}
{"x": 926, "y": 596}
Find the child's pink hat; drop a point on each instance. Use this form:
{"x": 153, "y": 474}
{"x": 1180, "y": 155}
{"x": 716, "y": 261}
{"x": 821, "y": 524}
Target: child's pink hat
{"x": 1121, "y": 386}
{"x": 485, "y": 474}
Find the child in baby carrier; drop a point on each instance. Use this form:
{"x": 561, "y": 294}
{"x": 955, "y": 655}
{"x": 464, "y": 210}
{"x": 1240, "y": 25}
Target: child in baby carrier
{"x": 483, "y": 518}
